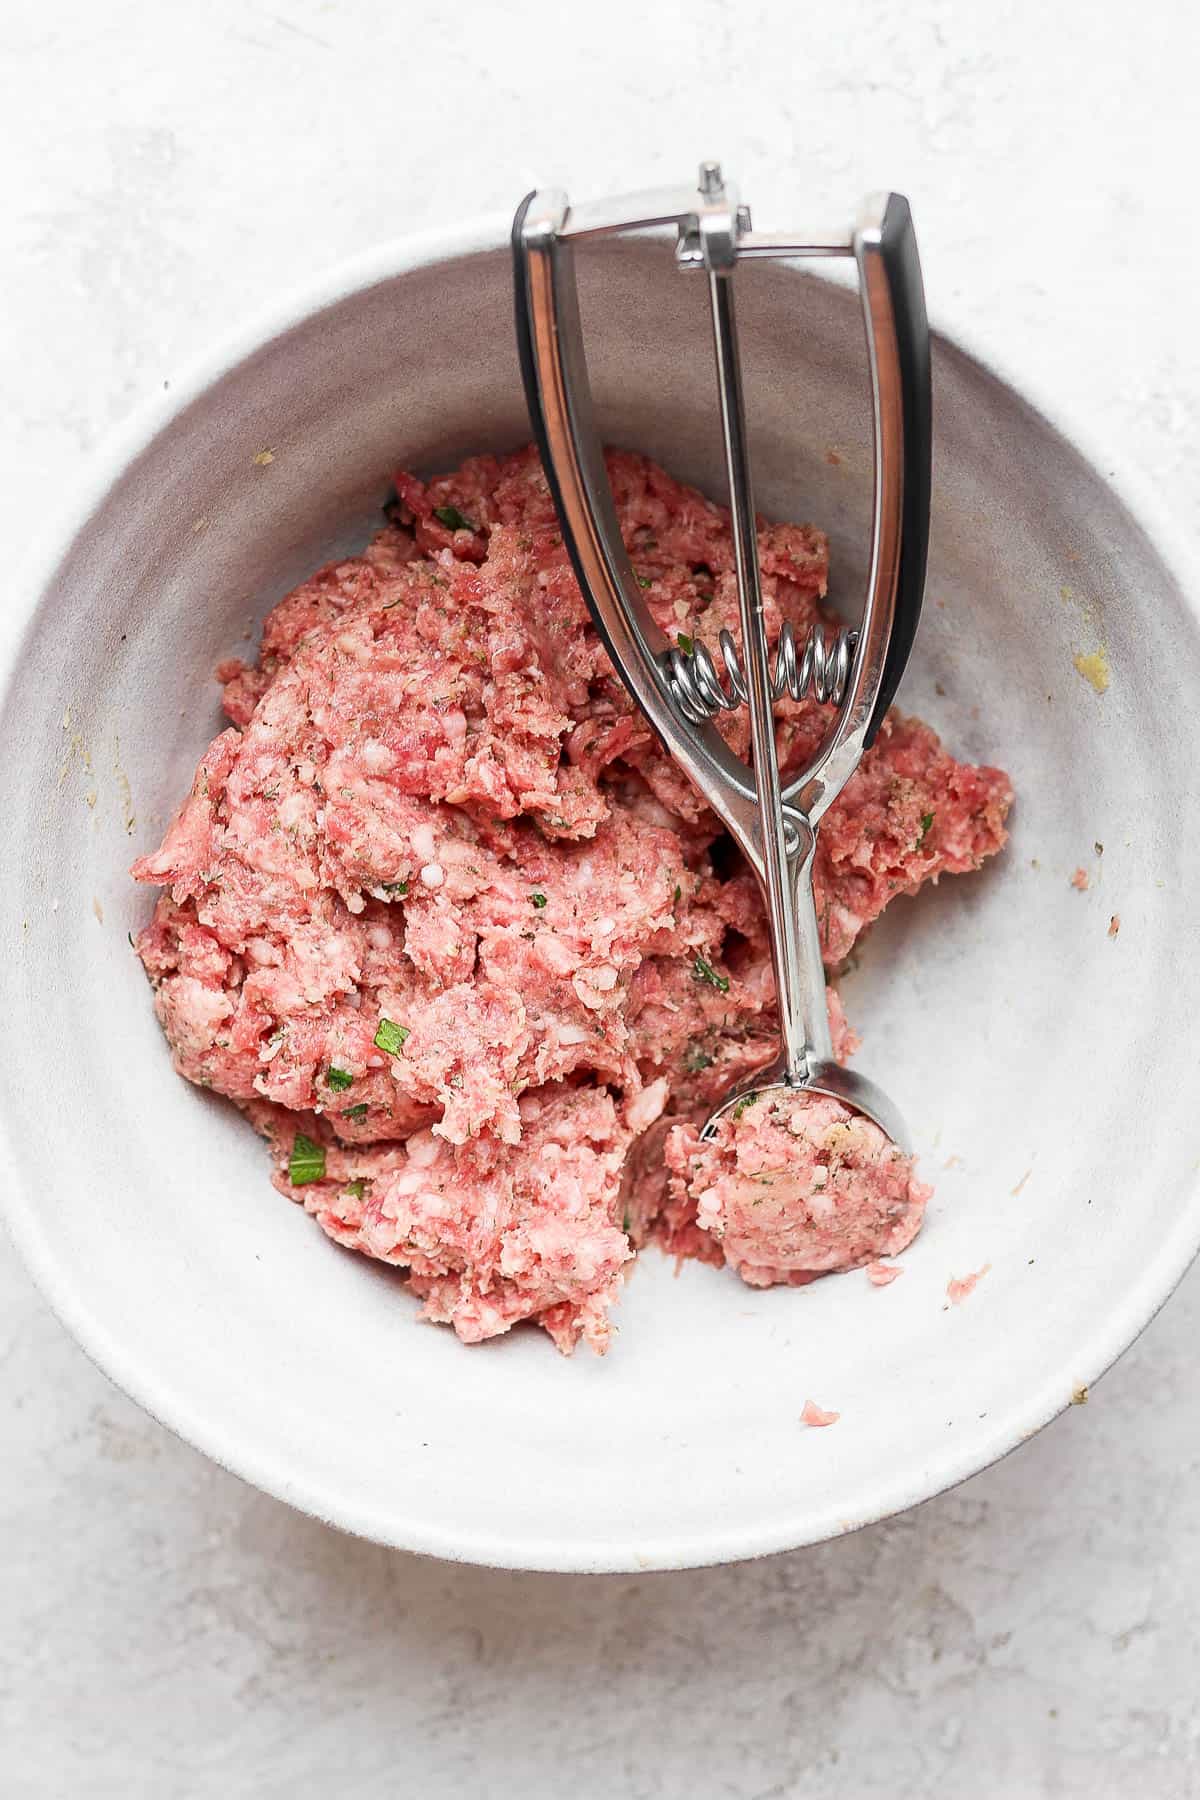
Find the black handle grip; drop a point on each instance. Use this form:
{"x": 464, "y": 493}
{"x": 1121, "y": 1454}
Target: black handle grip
{"x": 902, "y": 270}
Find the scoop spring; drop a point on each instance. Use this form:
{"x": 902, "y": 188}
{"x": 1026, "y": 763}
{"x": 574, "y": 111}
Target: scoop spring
{"x": 822, "y": 668}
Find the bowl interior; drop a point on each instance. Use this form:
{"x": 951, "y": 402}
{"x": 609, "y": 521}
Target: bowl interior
{"x": 1018, "y": 1035}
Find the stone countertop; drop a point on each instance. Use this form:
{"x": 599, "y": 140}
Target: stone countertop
{"x": 165, "y": 1631}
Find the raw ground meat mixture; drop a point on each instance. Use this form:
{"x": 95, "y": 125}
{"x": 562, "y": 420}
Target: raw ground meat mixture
{"x": 462, "y": 942}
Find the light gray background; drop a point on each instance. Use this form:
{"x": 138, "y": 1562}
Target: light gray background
{"x": 165, "y": 1632}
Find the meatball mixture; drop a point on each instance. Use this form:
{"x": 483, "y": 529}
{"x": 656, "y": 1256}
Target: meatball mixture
{"x": 443, "y": 919}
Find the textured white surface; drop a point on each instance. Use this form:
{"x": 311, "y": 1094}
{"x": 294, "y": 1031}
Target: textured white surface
{"x": 164, "y": 1631}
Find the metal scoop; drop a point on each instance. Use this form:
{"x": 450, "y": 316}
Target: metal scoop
{"x": 679, "y": 691}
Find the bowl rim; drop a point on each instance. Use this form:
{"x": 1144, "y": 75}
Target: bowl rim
{"x": 1111, "y": 1335}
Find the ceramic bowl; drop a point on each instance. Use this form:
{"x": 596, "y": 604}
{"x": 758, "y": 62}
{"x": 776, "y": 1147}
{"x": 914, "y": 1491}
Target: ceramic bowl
{"x": 1044, "y": 1063}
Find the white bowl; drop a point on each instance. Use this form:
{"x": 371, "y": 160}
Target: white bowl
{"x": 1044, "y": 1065}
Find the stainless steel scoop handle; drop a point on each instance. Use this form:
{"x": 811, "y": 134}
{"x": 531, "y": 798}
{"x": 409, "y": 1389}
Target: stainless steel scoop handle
{"x": 773, "y": 823}
{"x": 554, "y": 369}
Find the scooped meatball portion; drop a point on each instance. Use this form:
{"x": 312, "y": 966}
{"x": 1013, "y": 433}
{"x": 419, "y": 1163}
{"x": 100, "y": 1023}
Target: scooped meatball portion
{"x": 794, "y": 1186}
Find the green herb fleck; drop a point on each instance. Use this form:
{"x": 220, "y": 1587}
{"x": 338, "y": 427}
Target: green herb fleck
{"x": 704, "y": 971}
{"x": 645, "y": 581}
{"x": 390, "y": 1037}
{"x": 686, "y": 644}
{"x": 926, "y": 822}
{"x": 695, "y": 1059}
{"x": 132, "y": 945}
{"x": 356, "y": 1112}
{"x": 538, "y": 900}
{"x": 338, "y": 1079}
{"x": 452, "y": 519}
{"x": 678, "y": 893}
{"x": 745, "y": 1101}
{"x": 399, "y": 888}
{"x": 626, "y": 1223}
{"x": 307, "y": 1161}
{"x": 356, "y": 1188}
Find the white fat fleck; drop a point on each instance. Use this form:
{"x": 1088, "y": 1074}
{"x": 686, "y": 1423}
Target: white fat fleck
{"x": 820, "y": 1175}
{"x": 271, "y": 1048}
{"x": 354, "y": 903}
{"x": 573, "y": 1034}
{"x": 432, "y": 875}
{"x": 605, "y": 927}
{"x": 423, "y": 1149}
{"x": 647, "y": 1106}
{"x": 424, "y": 842}
{"x": 374, "y": 1062}
{"x": 554, "y": 954}
{"x": 379, "y": 937}
{"x": 376, "y": 756}
{"x": 604, "y": 978}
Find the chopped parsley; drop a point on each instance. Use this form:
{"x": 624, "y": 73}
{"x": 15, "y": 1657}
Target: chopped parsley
{"x": 399, "y": 888}
{"x": 626, "y": 1223}
{"x": 390, "y": 1037}
{"x": 704, "y": 971}
{"x": 338, "y": 1079}
{"x": 307, "y": 1161}
{"x": 452, "y": 519}
{"x": 745, "y": 1101}
{"x": 356, "y": 1188}
{"x": 686, "y": 644}
{"x": 538, "y": 900}
{"x": 695, "y": 1059}
{"x": 926, "y": 822}
{"x": 678, "y": 893}
{"x": 644, "y": 581}
{"x": 356, "y": 1112}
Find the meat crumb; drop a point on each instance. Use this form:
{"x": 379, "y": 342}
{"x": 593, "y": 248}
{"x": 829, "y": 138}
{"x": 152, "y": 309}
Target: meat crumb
{"x": 1114, "y": 925}
{"x": 959, "y": 1288}
{"x": 816, "y": 1415}
{"x": 1081, "y": 880}
{"x": 881, "y": 1274}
